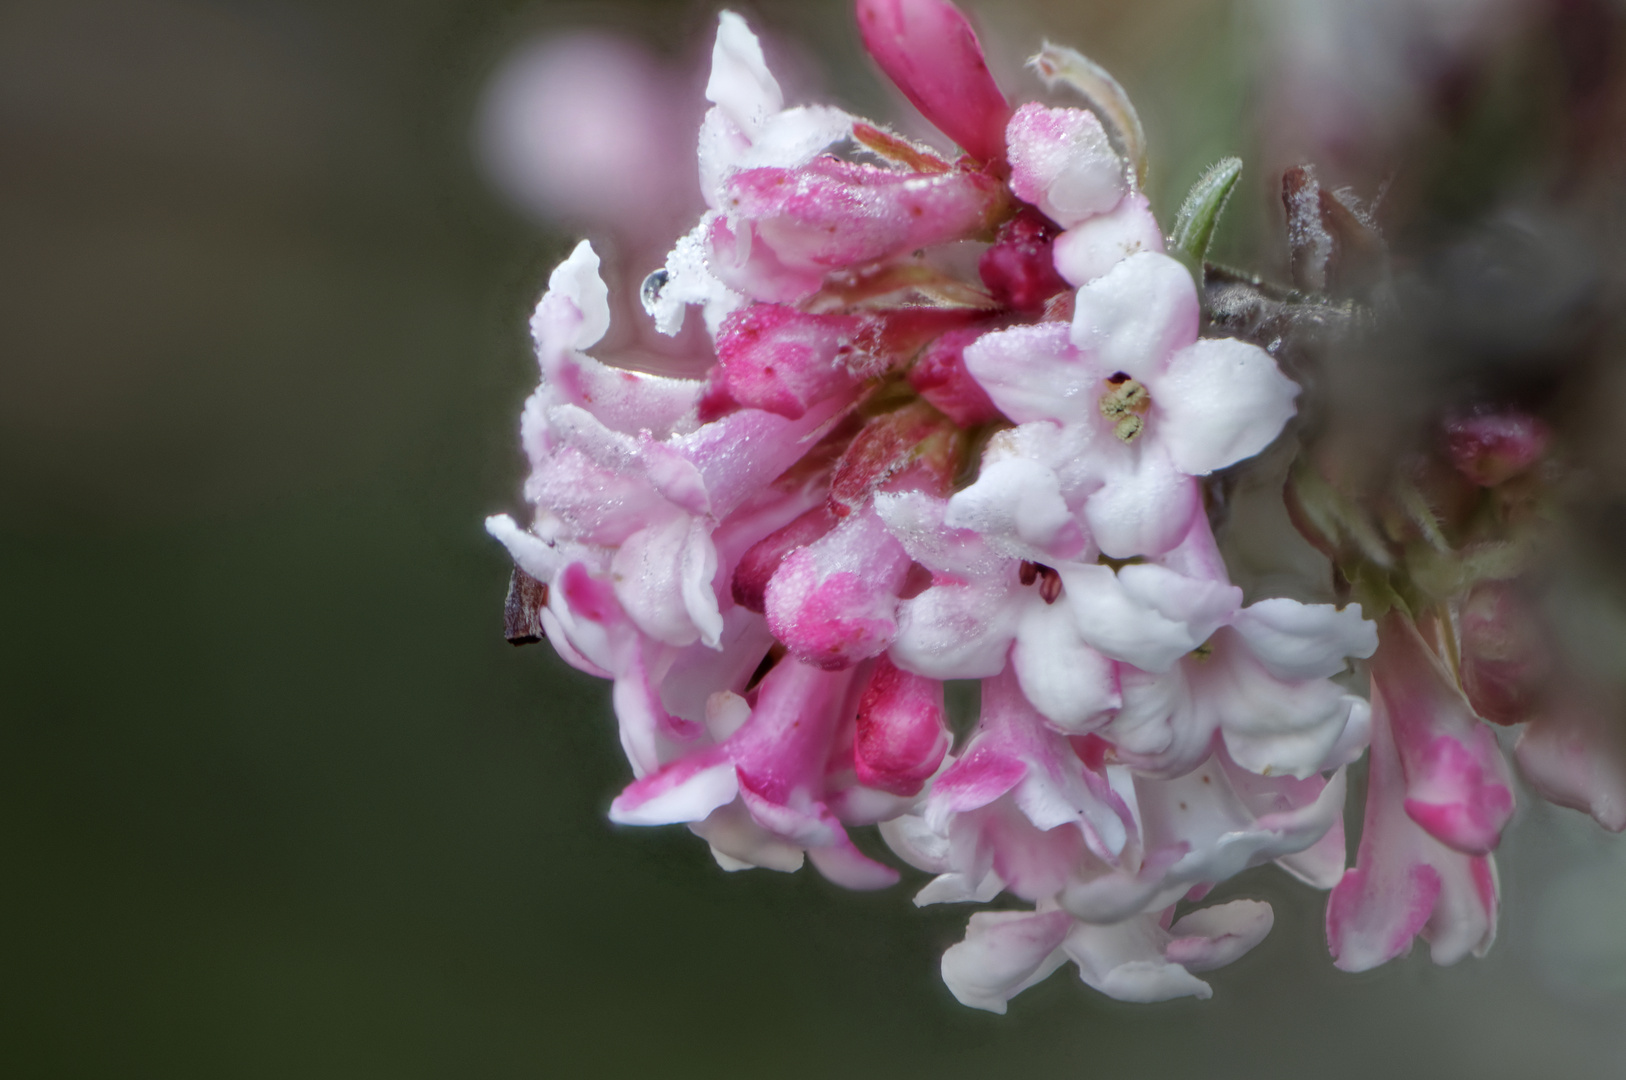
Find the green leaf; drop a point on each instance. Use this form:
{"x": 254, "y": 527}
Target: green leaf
{"x": 1194, "y": 226}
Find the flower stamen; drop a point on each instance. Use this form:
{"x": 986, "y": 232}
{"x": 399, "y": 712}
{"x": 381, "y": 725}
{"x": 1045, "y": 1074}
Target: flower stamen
{"x": 1126, "y": 402}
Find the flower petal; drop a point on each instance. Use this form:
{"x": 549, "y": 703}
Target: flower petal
{"x": 1146, "y": 615}
{"x": 1571, "y": 757}
{"x": 1067, "y": 681}
{"x": 741, "y": 84}
{"x": 835, "y": 601}
{"x": 1092, "y": 248}
{"x": 1305, "y": 641}
{"x": 1126, "y": 961}
{"x": 1458, "y": 786}
{"x": 1220, "y": 401}
{"x": 1063, "y": 163}
{"x": 1004, "y": 953}
{"x": 1404, "y": 882}
{"x": 1035, "y": 373}
{"x": 687, "y": 790}
{"x": 1145, "y": 506}
{"x": 1134, "y": 317}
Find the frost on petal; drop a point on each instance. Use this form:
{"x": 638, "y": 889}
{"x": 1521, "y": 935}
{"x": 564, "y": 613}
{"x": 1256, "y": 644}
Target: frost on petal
{"x": 1146, "y": 615}
{"x": 686, "y": 280}
{"x": 761, "y": 561}
{"x": 1458, "y": 786}
{"x": 1035, "y": 373}
{"x": 740, "y": 83}
{"x": 834, "y": 602}
{"x": 743, "y": 452}
{"x": 1405, "y": 883}
{"x": 958, "y": 630}
{"x": 788, "y": 227}
{"x": 929, "y": 51}
{"x": 1093, "y": 247}
{"x": 1305, "y": 641}
{"x": 663, "y": 579}
{"x": 1017, "y": 505}
{"x": 782, "y": 360}
{"x": 962, "y": 625}
{"x": 1063, "y": 163}
{"x": 787, "y": 139}
{"x": 919, "y": 521}
{"x": 1004, "y": 953}
{"x": 794, "y": 137}
{"x": 572, "y": 315}
{"x": 577, "y": 280}
{"x": 1220, "y": 401}
{"x": 1133, "y": 318}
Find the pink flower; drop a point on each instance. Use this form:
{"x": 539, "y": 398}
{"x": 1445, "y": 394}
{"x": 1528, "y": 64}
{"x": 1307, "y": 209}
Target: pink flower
{"x": 1405, "y": 882}
{"x": 774, "y": 762}
{"x": 1145, "y": 959}
{"x": 1103, "y": 858}
{"x": 1457, "y": 784}
{"x": 1121, "y": 409}
{"x": 1060, "y": 625}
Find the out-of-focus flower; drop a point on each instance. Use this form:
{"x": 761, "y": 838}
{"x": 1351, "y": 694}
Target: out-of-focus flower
{"x": 584, "y": 128}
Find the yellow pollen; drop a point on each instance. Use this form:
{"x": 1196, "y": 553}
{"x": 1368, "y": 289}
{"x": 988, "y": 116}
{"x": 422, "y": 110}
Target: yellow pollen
{"x": 1126, "y": 402}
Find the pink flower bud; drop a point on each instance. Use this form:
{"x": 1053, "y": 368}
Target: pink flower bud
{"x": 758, "y": 565}
{"x": 782, "y": 360}
{"x": 1489, "y": 448}
{"x": 939, "y": 375}
{"x": 912, "y": 448}
{"x": 1020, "y": 268}
{"x": 901, "y": 737}
{"x": 928, "y": 49}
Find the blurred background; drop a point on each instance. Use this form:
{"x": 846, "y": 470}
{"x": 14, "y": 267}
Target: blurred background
{"x": 276, "y": 798}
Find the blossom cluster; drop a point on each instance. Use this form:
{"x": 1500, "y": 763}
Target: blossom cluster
{"x": 955, "y": 426}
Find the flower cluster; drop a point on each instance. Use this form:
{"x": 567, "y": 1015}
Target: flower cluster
{"x": 956, "y": 427}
